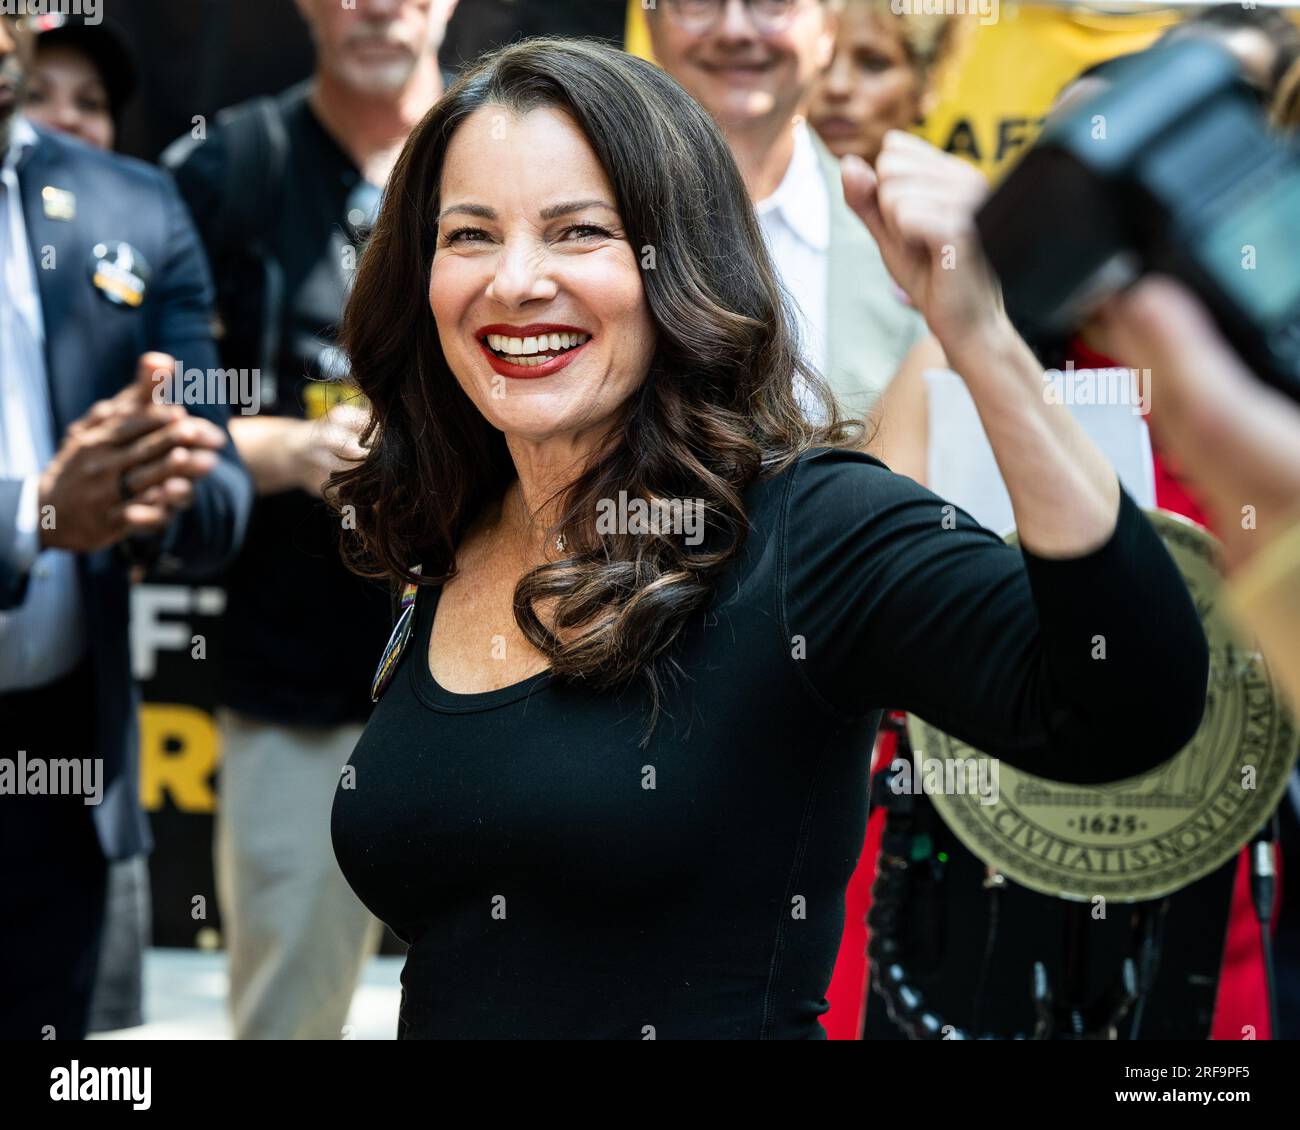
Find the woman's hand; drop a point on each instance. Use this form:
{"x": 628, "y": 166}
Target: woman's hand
{"x": 919, "y": 204}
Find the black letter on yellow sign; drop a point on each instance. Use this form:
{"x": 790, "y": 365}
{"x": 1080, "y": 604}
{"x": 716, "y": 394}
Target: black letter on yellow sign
{"x": 962, "y": 143}
{"x": 1015, "y": 133}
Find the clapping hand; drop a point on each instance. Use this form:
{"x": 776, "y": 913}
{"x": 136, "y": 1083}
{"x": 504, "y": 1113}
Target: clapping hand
{"x": 126, "y": 467}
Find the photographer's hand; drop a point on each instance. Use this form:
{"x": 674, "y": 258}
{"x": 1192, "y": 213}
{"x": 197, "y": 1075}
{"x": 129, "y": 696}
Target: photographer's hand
{"x": 1237, "y": 439}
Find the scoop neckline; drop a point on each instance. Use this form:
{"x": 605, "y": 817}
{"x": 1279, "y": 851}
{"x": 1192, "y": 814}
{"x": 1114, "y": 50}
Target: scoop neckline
{"x": 433, "y": 694}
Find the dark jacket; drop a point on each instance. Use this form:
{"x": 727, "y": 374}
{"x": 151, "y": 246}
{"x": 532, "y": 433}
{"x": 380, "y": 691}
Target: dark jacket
{"x": 91, "y": 351}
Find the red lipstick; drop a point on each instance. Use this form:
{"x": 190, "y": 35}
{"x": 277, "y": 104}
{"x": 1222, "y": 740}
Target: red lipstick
{"x": 533, "y": 329}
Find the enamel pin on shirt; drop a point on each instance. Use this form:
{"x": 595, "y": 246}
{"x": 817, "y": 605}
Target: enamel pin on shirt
{"x": 397, "y": 641}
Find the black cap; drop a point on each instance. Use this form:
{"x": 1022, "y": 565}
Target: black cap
{"x": 102, "y": 42}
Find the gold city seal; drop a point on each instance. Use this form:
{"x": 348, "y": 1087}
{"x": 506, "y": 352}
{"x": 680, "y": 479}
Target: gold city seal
{"x": 1147, "y": 836}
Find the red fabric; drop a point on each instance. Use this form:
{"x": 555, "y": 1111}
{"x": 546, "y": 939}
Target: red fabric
{"x": 847, "y": 993}
{"x": 1241, "y": 1001}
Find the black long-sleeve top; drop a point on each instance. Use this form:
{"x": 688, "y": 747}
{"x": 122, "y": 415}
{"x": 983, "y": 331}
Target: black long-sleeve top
{"x": 554, "y": 879}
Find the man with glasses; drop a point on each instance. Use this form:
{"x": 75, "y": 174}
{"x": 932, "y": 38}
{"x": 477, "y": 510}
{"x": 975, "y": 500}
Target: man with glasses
{"x": 282, "y": 190}
{"x": 753, "y": 65}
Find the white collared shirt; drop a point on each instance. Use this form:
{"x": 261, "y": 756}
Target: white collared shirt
{"x": 796, "y": 222}
{"x": 42, "y": 639}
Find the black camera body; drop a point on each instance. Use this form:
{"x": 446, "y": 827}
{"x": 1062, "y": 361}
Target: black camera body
{"x": 1170, "y": 169}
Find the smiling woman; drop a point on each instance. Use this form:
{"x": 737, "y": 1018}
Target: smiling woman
{"x": 616, "y": 784}
{"x": 539, "y": 186}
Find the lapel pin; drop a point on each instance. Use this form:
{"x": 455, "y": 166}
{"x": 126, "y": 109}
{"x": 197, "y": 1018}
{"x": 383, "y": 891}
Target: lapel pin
{"x": 59, "y": 203}
{"x": 120, "y": 273}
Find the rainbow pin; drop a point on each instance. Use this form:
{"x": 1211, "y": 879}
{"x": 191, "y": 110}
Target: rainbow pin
{"x": 397, "y": 641}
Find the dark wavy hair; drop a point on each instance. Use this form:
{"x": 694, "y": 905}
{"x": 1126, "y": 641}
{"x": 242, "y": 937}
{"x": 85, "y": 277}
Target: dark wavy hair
{"x": 716, "y": 410}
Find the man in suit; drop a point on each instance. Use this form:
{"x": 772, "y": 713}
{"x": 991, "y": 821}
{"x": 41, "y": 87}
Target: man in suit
{"x": 103, "y": 287}
{"x": 753, "y": 66}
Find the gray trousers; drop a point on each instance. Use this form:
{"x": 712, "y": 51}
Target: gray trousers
{"x": 296, "y": 935}
{"x": 118, "y": 999}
